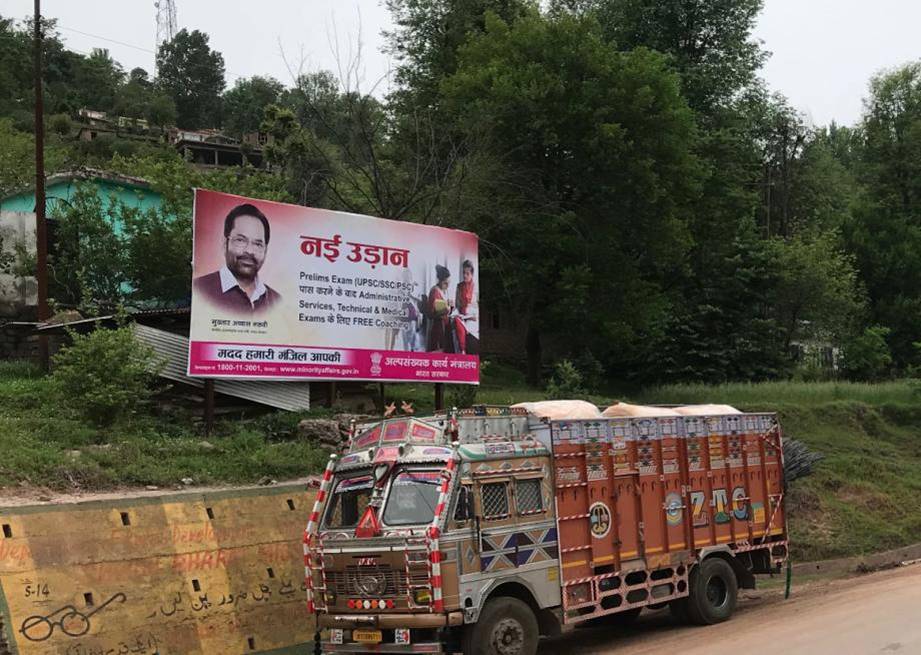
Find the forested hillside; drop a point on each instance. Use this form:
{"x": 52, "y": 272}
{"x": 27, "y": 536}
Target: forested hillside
{"x": 646, "y": 206}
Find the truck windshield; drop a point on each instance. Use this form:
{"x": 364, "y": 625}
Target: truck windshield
{"x": 412, "y": 499}
{"x": 347, "y": 503}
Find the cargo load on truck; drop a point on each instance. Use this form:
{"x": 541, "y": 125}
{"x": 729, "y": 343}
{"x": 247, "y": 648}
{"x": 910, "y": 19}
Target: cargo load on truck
{"x": 479, "y": 530}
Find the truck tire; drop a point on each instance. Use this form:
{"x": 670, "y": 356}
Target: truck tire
{"x": 506, "y": 626}
{"x": 714, "y": 591}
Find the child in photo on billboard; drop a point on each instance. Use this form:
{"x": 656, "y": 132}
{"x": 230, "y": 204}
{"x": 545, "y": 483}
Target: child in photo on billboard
{"x": 410, "y": 333}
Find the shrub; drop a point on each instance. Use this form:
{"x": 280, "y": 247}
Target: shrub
{"x": 867, "y": 356}
{"x": 591, "y": 370}
{"x": 461, "y": 395}
{"x": 566, "y": 381}
{"x": 105, "y": 375}
{"x": 60, "y": 124}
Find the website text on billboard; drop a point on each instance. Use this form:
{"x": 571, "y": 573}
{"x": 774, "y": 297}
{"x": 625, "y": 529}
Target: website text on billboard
{"x": 288, "y": 292}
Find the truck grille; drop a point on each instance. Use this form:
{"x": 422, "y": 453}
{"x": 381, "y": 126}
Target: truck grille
{"x": 368, "y": 582}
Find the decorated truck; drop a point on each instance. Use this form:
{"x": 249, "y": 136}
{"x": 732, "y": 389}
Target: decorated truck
{"x": 476, "y": 531}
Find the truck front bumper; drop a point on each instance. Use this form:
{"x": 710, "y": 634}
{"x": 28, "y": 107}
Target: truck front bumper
{"x": 391, "y": 621}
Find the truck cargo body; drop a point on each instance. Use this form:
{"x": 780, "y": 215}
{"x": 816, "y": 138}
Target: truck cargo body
{"x": 493, "y": 524}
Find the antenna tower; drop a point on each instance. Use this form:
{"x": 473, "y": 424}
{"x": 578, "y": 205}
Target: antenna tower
{"x": 166, "y": 21}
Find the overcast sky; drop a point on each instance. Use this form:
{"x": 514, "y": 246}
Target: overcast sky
{"x": 823, "y": 51}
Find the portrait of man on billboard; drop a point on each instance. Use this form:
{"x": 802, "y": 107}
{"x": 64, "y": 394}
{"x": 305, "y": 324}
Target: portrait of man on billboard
{"x": 236, "y": 287}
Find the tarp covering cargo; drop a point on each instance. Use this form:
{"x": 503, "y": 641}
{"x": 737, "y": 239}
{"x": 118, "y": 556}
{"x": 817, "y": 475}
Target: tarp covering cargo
{"x": 626, "y": 409}
{"x": 560, "y": 409}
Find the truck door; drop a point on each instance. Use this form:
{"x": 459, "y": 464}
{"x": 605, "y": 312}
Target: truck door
{"x": 497, "y": 529}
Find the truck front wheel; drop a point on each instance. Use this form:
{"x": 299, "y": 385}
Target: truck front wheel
{"x": 506, "y": 626}
{"x": 714, "y": 591}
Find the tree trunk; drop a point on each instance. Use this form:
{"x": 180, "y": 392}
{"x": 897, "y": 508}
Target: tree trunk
{"x": 532, "y": 346}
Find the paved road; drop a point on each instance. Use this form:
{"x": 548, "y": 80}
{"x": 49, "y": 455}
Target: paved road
{"x": 879, "y": 613}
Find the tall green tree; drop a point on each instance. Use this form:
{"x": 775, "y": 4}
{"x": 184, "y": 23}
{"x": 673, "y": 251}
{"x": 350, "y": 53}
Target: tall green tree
{"x": 885, "y": 234}
{"x": 134, "y": 96}
{"x": 710, "y": 42}
{"x": 595, "y": 176}
{"x": 245, "y": 103}
{"x": 88, "y": 266}
{"x": 97, "y": 79}
{"x": 721, "y": 327}
{"x": 192, "y": 75}
{"x": 427, "y": 37}
{"x": 817, "y": 297}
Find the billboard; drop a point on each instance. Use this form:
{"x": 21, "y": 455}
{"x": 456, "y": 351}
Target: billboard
{"x": 288, "y": 292}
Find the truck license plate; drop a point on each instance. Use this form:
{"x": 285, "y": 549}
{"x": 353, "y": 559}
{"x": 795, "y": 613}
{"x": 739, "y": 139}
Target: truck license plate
{"x": 368, "y": 636}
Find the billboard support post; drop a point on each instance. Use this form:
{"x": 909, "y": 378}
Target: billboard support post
{"x": 209, "y": 407}
{"x": 439, "y": 395}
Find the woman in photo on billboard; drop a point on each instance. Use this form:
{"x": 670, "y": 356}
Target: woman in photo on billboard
{"x": 466, "y": 327}
{"x": 438, "y": 310}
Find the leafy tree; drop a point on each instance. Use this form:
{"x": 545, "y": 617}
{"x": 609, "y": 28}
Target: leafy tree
{"x": 161, "y": 111}
{"x": 134, "y": 96}
{"x": 709, "y": 42}
{"x": 867, "y": 355}
{"x": 428, "y": 36}
{"x": 60, "y": 124}
{"x": 96, "y": 80}
{"x": 245, "y": 103}
{"x": 817, "y": 295}
{"x": 88, "y": 264}
{"x": 17, "y": 157}
{"x": 192, "y": 75}
{"x": 590, "y": 200}
{"x": 884, "y": 233}
{"x": 14, "y": 74}
{"x": 721, "y": 326}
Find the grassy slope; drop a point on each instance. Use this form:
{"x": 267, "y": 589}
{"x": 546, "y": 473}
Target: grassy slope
{"x": 43, "y": 445}
{"x": 865, "y": 495}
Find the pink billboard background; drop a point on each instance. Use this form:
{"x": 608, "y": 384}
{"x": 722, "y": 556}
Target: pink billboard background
{"x": 355, "y": 316}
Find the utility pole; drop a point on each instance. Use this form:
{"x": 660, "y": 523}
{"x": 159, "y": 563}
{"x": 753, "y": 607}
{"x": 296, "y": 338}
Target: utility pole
{"x": 41, "y": 227}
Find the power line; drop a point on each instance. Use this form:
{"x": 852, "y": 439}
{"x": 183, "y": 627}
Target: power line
{"x": 231, "y": 74}
{"x": 103, "y": 38}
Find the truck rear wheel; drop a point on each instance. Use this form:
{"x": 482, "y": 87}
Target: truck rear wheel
{"x": 506, "y": 626}
{"x": 714, "y": 591}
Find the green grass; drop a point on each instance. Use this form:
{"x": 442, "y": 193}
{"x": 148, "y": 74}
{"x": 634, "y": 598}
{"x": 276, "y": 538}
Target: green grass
{"x": 44, "y": 445}
{"x": 767, "y": 394}
{"x": 863, "y": 497}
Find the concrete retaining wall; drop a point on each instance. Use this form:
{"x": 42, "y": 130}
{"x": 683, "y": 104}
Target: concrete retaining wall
{"x": 861, "y": 563}
{"x": 218, "y": 573}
